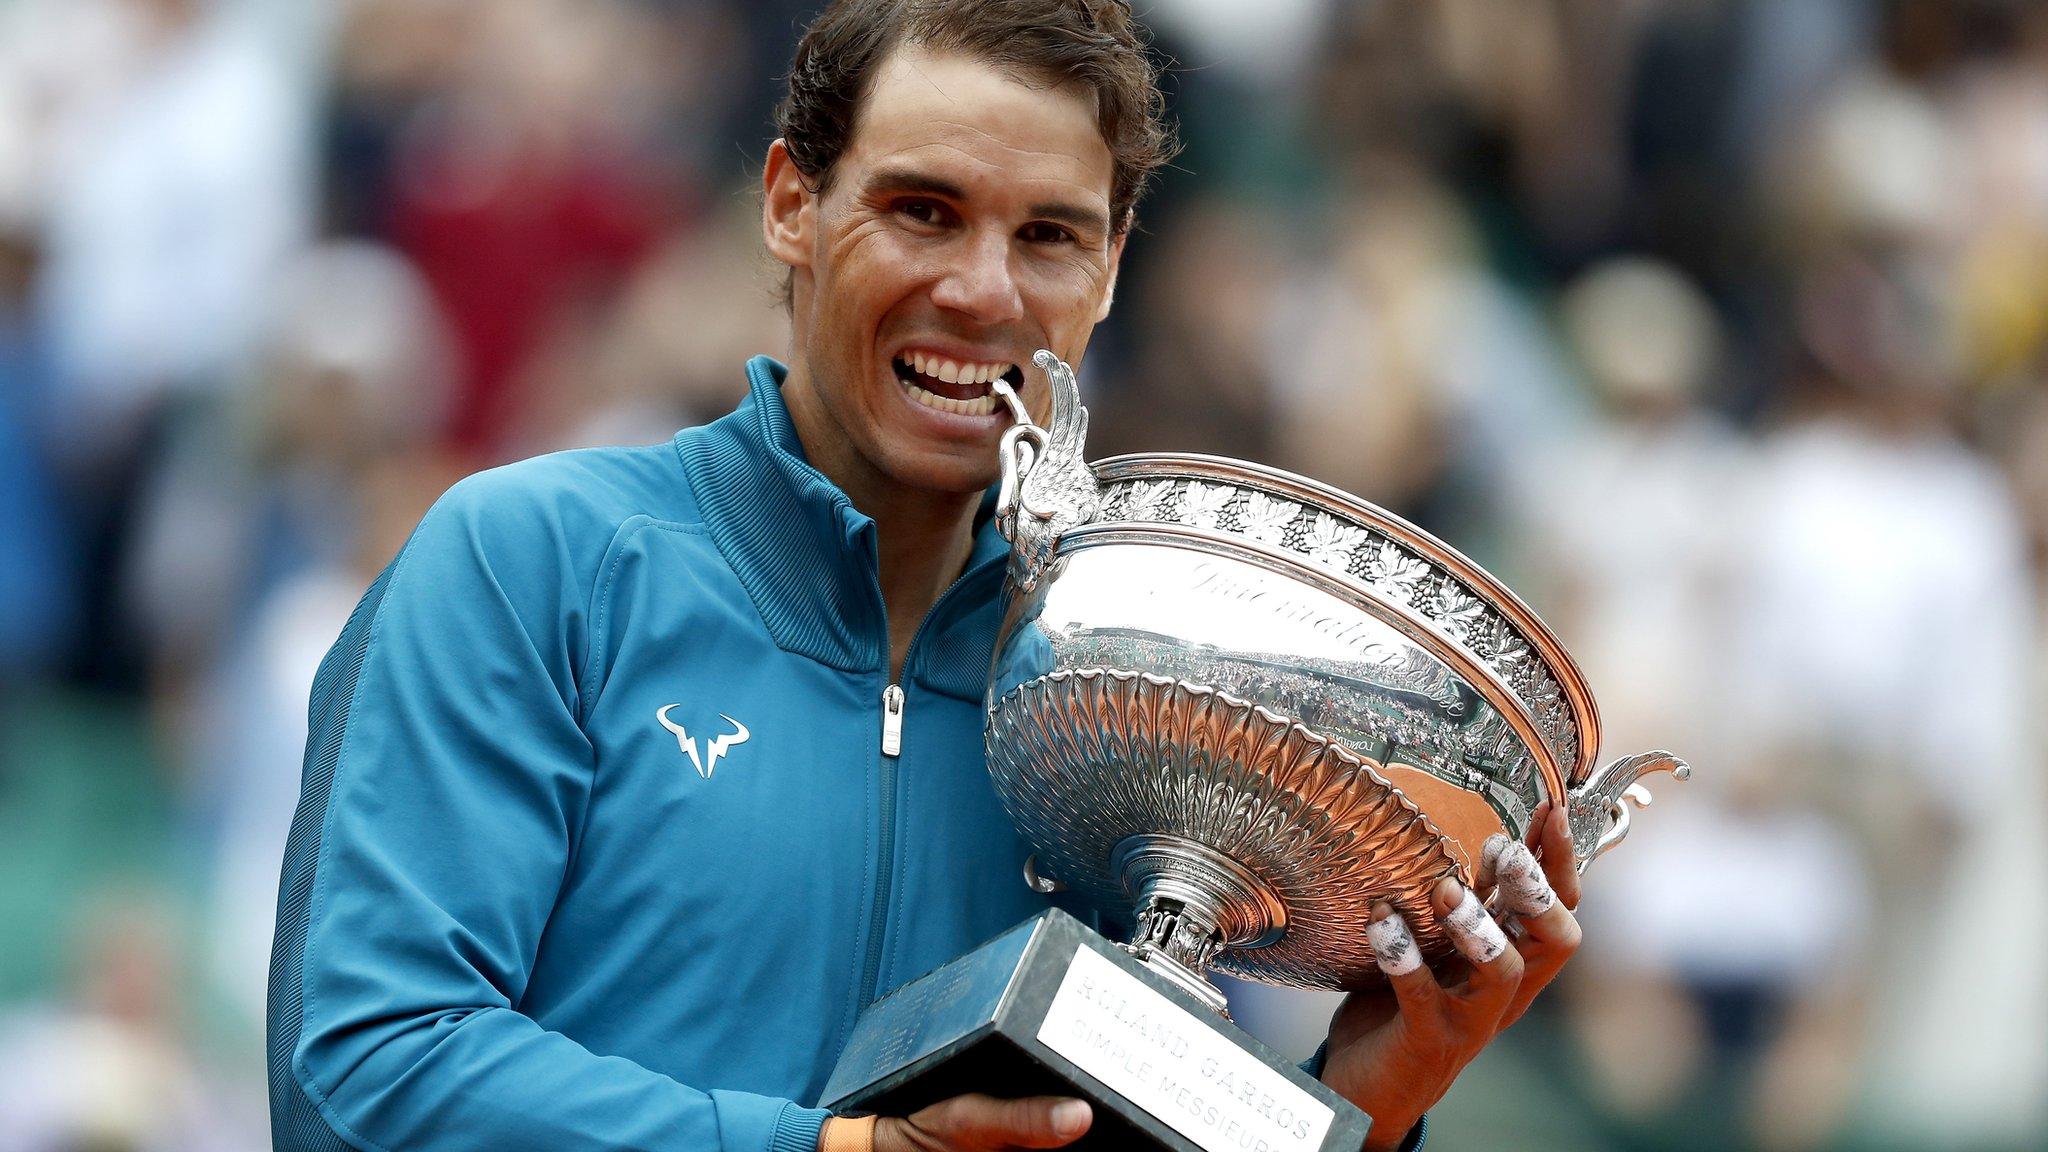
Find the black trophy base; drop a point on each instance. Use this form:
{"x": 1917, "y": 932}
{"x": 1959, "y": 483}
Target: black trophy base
{"x": 1050, "y": 1008}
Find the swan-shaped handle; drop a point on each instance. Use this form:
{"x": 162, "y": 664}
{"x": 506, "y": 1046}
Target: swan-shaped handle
{"x": 1599, "y": 811}
{"x": 1047, "y": 488}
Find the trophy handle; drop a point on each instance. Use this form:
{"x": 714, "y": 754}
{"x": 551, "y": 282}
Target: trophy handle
{"x": 1047, "y": 488}
{"x": 1598, "y": 810}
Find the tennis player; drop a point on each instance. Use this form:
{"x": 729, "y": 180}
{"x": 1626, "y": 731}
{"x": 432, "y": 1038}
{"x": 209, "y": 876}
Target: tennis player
{"x": 640, "y": 772}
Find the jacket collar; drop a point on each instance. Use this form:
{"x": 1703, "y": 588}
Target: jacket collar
{"x": 808, "y": 558}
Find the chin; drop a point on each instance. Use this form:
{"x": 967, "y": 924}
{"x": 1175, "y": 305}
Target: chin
{"x": 940, "y": 472}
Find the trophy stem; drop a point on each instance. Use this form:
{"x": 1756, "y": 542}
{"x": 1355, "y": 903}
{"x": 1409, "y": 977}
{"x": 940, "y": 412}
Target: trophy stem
{"x": 1174, "y": 942}
{"x": 1192, "y": 903}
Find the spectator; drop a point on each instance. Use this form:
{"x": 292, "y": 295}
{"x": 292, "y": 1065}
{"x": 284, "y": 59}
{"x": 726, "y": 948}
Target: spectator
{"x": 110, "y": 1069}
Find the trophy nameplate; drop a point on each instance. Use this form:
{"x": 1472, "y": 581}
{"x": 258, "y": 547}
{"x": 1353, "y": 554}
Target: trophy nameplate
{"x": 1052, "y": 1008}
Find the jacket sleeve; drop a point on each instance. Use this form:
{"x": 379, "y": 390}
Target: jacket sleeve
{"x": 445, "y": 781}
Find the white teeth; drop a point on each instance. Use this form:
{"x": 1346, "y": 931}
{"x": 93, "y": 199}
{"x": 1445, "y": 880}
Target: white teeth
{"x": 979, "y": 406}
{"x": 940, "y": 368}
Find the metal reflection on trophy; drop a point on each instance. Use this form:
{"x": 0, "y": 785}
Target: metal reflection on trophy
{"x": 1234, "y": 707}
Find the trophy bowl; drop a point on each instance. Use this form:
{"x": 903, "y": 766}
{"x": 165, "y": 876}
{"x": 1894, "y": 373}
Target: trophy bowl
{"x": 1231, "y": 708}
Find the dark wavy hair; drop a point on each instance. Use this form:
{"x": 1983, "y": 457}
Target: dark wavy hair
{"x": 1096, "y": 44}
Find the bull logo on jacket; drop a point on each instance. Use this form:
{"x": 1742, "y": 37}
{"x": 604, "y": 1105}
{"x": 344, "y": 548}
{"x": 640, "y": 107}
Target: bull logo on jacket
{"x": 718, "y": 746}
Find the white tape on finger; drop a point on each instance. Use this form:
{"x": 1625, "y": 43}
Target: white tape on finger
{"x": 1477, "y": 937}
{"x": 1489, "y": 858}
{"x": 1523, "y": 887}
{"x": 1393, "y": 945}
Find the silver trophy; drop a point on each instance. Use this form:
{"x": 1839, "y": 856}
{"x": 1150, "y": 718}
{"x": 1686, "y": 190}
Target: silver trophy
{"x": 1231, "y": 708}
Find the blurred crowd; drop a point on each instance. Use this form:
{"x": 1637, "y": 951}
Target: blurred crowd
{"x": 1717, "y": 328}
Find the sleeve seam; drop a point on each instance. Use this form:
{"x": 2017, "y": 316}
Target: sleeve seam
{"x": 607, "y": 584}
{"x": 309, "y": 1083}
{"x": 600, "y": 625}
{"x": 303, "y": 1077}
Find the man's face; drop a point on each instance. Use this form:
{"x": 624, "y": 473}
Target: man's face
{"x": 966, "y": 226}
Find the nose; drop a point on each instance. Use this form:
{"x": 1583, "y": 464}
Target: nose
{"x": 981, "y": 284}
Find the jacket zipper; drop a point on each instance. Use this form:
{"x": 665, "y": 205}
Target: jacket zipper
{"x": 893, "y": 707}
{"x": 892, "y": 721}
{"x": 885, "y": 846}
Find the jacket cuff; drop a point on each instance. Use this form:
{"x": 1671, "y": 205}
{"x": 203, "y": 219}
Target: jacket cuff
{"x": 796, "y": 1129}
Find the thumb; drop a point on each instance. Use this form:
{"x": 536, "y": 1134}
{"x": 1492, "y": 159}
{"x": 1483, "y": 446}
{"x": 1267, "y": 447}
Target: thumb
{"x": 985, "y": 1121}
{"x": 1042, "y": 1121}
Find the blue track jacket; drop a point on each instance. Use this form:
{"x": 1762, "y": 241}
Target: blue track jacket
{"x": 598, "y": 849}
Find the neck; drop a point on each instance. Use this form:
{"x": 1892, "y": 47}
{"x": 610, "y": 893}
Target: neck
{"x": 922, "y": 537}
{"x": 923, "y": 545}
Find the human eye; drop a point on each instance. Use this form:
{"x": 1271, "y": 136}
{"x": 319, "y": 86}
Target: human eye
{"x": 1044, "y": 232}
{"x": 922, "y": 210}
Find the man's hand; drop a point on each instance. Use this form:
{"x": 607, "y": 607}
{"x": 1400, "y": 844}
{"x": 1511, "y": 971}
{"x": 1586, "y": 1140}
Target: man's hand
{"x": 1395, "y": 1051}
{"x": 979, "y": 1123}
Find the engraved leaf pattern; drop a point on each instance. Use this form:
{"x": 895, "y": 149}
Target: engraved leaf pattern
{"x": 1116, "y": 500}
{"x": 1400, "y": 572}
{"x": 1511, "y": 659}
{"x": 1266, "y": 517}
{"x": 1546, "y": 703}
{"x": 1456, "y": 611}
{"x": 1205, "y": 503}
{"x": 1401, "y": 575}
{"x": 1148, "y": 499}
{"x": 1486, "y": 637}
{"x": 1330, "y": 541}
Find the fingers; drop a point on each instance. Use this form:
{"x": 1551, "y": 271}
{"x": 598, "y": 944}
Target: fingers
{"x": 1496, "y": 968}
{"x": 1040, "y": 1121}
{"x": 1560, "y": 862}
{"x": 1550, "y": 933}
{"x": 1069, "y": 1119}
{"x": 979, "y": 1121}
{"x": 1489, "y": 858}
{"x": 1474, "y": 933}
{"x": 1393, "y": 945}
{"x": 1524, "y": 890}
{"x": 1400, "y": 957}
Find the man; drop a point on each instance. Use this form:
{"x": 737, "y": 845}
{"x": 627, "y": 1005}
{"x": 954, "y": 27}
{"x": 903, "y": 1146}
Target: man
{"x": 640, "y": 772}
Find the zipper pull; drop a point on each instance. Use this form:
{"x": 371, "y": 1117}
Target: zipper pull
{"x": 892, "y": 721}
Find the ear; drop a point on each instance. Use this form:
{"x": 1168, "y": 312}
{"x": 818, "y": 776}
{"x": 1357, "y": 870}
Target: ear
{"x": 1116, "y": 259}
{"x": 788, "y": 209}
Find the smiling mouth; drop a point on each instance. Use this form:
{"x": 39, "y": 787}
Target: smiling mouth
{"x": 954, "y": 386}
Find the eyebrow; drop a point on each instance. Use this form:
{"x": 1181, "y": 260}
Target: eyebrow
{"x": 922, "y": 183}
